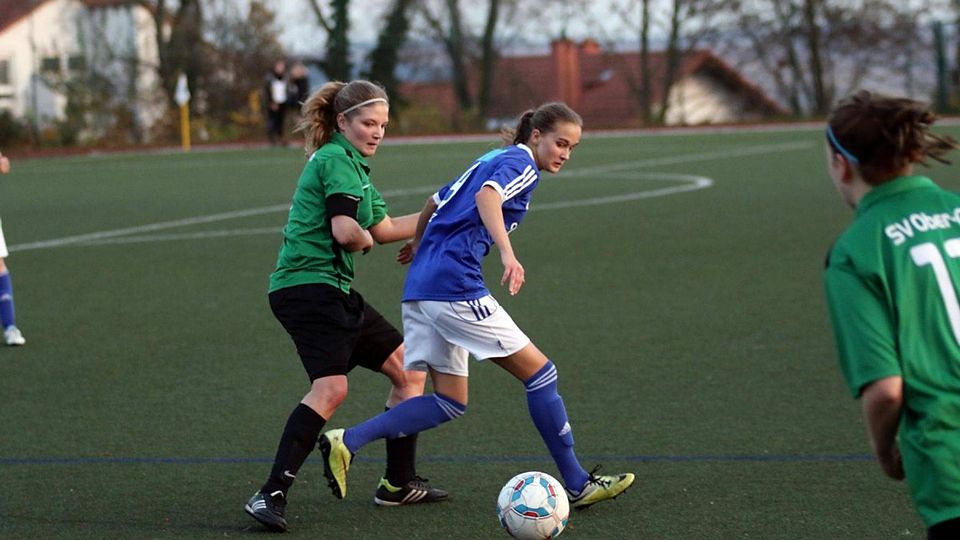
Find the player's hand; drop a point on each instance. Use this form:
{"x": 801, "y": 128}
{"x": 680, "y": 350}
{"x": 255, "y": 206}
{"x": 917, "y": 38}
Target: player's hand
{"x": 892, "y": 463}
{"x": 512, "y": 275}
{"x": 407, "y": 251}
{"x": 4, "y": 165}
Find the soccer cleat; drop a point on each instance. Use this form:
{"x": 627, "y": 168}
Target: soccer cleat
{"x": 269, "y": 510}
{"x": 600, "y": 488}
{"x": 13, "y": 337}
{"x": 414, "y": 491}
{"x": 336, "y": 461}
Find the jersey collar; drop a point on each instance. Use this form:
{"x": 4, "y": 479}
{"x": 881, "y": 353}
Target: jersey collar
{"x": 340, "y": 140}
{"x": 891, "y": 188}
{"x": 529, "y": 151}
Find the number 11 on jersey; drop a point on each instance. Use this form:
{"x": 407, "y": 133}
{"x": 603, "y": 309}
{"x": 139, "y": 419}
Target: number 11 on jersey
{"x": 927, "y": 254}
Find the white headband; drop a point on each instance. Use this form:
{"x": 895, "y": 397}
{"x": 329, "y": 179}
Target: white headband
{"x": 364, "y": 103}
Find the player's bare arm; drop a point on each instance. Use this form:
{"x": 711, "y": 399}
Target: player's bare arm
{"x": 350, "y": 235}
{"x": 489, "y": 203}
{"x": 409, "y": 249}
{"x": 882, "y": 406}
{"x": 394, "y": 229}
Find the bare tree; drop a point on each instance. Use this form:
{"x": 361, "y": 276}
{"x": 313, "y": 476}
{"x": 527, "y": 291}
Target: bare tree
{"x": 337, "y": 26}
{"x": 815, "y": 50}
{"x": 687, "y": 25}
{"x": 179, "y": 35}
{"x": 386, "y": 55}
{"x": 454, "y": 42}
{"x": 646, "y": 97}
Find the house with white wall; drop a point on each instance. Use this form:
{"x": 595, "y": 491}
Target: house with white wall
{"x": 45, "y": 44}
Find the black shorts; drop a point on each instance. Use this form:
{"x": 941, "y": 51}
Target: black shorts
{"x": 945, "y": 530}
{"x": 334, "y": 332}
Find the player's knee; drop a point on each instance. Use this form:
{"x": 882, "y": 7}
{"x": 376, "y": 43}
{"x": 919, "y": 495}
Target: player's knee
{"x": 452, "y": 408}
{"x": 327, "y": 393}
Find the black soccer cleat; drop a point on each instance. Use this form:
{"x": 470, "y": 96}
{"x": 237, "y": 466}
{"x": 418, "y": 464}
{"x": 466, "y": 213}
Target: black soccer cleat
{"x": 269, "y": 510}
{"x": 414, "y": 491}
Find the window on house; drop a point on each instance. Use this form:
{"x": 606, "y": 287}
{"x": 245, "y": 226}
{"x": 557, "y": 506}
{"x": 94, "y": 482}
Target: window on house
{"x": 50, "y": 65}
{"x": 4, "y": 72}
{"x": 76, "y": 64}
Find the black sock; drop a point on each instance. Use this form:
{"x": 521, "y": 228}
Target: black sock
{"x": 401, "y": 459}
{"x": 298, "y": 440}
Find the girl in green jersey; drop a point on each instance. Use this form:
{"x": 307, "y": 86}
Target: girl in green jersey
{"x": 892, "y": 282}
{"x": 337, "y": 212}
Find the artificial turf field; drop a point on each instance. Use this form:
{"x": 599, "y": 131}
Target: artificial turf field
{"x": 674, "y": 279}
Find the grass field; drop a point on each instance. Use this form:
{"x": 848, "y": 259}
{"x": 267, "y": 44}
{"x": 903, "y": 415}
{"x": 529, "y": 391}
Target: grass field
{"x": 675, "y": 280}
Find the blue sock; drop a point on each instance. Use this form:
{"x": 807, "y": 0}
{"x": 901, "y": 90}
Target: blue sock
{"x": 6, "y": 301}
{"x": 550, "y": 417}
{"x": 411, "y": 416}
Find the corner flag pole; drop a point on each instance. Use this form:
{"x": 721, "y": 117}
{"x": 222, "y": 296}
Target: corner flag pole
{"x": 182, "y": 97}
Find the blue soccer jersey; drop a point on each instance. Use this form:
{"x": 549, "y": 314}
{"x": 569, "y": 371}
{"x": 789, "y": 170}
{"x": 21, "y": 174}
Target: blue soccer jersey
{"x": 449, "y": 261}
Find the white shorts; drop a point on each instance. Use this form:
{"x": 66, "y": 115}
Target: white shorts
{"x": 3, "y": 244}
{"x": 439, "y": 334}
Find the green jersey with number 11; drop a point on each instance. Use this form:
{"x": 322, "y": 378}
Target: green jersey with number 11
{"x": 892, "y": 281}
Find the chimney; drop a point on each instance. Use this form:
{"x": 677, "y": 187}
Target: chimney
{"x": 590, "y": 47}
{"x": 565, "y": 55}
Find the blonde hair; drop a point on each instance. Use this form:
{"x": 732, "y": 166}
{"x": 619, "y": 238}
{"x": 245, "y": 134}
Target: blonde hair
{"x": 318, "y": 120}
{"x": 882, "y": 134}
{"x": 544, "y": 118}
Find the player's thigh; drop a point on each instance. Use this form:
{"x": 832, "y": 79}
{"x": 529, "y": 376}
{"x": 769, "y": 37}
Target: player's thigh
{"x": 379, "y": 347}
{"x": 425, "y": 347}
{"x": 524, "y": 363}
{"x": 945, "y": 530}
{"x": 454, "y": 387}
{"x": 324, "y": 324}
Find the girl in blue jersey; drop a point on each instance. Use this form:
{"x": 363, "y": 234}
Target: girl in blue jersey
{"x": 11, "y": 334}
{"x": 448, "y": 312}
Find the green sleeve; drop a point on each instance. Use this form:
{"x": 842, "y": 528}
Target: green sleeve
{"x": 378, "y": 206}
{"x": 863, "y": 325}
{"x": 339, "y": 176}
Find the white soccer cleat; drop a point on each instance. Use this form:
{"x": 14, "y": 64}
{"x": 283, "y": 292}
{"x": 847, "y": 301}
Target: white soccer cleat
{"x": 13, "y": 337}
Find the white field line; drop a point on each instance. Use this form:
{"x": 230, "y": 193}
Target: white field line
{"x": 89, "y": 237}
{"x": 689, "y": 183}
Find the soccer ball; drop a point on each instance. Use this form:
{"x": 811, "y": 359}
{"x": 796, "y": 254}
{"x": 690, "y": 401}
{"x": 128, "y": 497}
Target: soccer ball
{"x": 533, "y": 506}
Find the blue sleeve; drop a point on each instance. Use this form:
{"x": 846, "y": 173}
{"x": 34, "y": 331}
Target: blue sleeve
{"x": 511, "y": 177}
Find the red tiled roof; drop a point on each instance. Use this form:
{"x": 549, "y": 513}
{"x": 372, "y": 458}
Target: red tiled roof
{"x": 12, "y": 11}
{"x": 608, "y": 82}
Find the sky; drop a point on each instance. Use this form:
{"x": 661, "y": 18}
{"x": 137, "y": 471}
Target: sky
{"x": 301, "y": 34}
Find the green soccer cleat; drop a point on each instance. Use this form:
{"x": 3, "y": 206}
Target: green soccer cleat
{"x": 336, "y": 461}
{"x": 414, "y": 491}
{"x": 600, "y": 488}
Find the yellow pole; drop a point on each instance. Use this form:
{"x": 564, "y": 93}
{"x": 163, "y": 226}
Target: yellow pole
{"x": 185, "y": 127}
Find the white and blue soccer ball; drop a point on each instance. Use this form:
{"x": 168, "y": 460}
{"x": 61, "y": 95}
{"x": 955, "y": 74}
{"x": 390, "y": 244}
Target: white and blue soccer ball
{"x": 533, "y": 506}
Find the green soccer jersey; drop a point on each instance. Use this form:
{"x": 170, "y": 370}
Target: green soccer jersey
{"x": 892, "y": 280}
{"x": 309, "y": 253}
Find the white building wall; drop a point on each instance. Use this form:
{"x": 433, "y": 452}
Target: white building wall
{"x": 700, "y": 99}
{"x": 41, "y": 34}
{"x": 116, "y": 41}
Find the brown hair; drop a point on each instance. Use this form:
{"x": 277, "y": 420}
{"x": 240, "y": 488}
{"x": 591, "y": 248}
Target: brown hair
{"x": 883, "y": 134}
{"x": 319, "y": 112}
{"x": 545, "y": 119}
